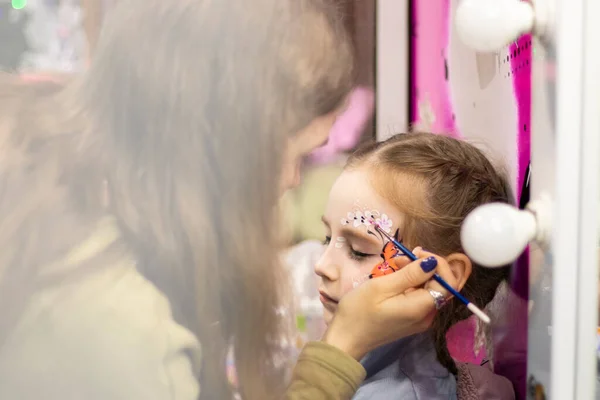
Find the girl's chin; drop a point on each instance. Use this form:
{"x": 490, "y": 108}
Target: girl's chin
{"x": 327, "y": 317}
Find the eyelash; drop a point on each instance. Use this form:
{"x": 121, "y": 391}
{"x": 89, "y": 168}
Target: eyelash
{"x": 355, "y": 255}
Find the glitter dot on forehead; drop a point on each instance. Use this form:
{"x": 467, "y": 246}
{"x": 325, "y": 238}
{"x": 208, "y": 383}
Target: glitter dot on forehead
{"x": 368, "y": 218}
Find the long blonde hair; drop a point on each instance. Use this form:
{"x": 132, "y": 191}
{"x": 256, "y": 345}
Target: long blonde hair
{"x": 182, "y": 117}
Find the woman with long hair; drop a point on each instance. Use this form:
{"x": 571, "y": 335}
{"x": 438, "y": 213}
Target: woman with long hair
{"x": 138, "y": 220}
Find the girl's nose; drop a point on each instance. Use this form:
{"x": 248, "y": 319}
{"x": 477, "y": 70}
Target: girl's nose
{"x": 325, "y": 267}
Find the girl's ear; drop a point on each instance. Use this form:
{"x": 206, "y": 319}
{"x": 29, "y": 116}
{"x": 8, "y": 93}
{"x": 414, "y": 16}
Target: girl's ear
{"x": 461, "y": 267}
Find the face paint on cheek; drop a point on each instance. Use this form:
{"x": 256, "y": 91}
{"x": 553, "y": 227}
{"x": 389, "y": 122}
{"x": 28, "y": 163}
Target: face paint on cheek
{"x": 359, "y": 277}
{"x": 388, "y": 266}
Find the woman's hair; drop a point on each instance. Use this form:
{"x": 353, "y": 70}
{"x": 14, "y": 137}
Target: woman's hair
{"x": 182, "y": 118}
{"x": 447, "y": 179}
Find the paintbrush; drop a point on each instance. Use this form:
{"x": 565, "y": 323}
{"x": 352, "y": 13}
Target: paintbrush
{"x": 472, "y": 307}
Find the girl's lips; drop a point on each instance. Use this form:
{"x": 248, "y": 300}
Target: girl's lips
{"x": 325, "y": 298}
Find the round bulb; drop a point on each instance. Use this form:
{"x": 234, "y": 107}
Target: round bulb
{"x": 19, "y": 4}
{"x": 494, "y": 235}
{"x": 489, "y": 25}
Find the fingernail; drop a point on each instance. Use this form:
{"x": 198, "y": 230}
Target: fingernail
{"x": 429, "y": 264}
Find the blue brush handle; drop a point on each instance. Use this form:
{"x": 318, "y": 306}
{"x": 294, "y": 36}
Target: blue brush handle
{"x": 436, "y": 276}
{"x": 449, "y": 288}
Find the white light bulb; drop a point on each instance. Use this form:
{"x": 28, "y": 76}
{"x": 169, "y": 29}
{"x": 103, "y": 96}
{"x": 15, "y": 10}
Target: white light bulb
{"x": 489, "y": 25}
{"x": 496, "y": 234}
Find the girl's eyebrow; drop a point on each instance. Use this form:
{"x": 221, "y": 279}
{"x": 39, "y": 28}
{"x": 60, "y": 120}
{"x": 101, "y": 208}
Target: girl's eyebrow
{"x": 355, "y": 233}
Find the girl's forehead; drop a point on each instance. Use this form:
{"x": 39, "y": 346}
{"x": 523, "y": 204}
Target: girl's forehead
{"x": 353, "y": 187}
{"x": 354, "y": 193}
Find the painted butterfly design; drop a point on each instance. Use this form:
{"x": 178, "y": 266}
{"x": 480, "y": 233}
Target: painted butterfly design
{"x": 388, "y": 266}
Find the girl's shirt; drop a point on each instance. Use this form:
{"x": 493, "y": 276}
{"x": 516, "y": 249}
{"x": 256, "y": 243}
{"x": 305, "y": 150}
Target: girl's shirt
{"x": 406, "y": 370}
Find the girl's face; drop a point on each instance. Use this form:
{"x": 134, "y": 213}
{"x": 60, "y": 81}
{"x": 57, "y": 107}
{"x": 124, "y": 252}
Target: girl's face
{"x": 352, "y": 246}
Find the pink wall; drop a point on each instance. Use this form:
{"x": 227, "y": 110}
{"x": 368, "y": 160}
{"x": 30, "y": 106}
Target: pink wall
{"x": 520, "y": 61}
{"x": 430, "y": 92}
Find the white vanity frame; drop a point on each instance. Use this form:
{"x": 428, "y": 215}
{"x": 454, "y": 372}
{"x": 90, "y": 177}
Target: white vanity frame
{"x": 576, "y": 192}
{"x": 392, "y": 67}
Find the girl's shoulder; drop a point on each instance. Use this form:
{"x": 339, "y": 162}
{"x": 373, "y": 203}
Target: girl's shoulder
{"x": 394, "y": 384}
{"x": 407, "y": 369}
{"x": 477, "y": 382}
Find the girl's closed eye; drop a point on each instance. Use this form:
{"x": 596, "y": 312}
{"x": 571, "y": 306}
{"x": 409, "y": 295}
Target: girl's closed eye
{"x": 352, "y": 253}
{"x": 359, "y": 256}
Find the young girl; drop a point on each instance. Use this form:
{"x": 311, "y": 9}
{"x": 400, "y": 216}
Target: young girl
{"x": 419, "y": 187}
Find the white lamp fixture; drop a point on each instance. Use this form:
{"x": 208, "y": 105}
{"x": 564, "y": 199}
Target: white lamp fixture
{"x": 496, "y": 234}
{"x": 489, "y": 25}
